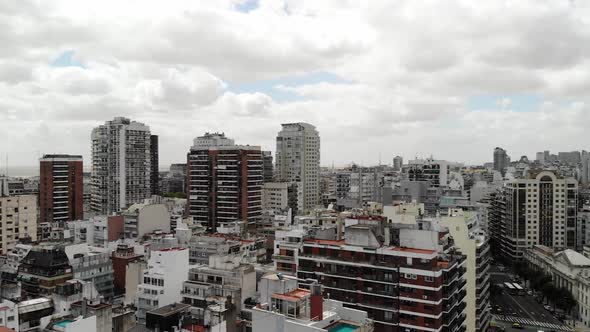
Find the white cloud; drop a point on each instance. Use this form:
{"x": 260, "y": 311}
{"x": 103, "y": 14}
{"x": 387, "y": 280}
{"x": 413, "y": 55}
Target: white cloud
{"x": 412, "y": 67}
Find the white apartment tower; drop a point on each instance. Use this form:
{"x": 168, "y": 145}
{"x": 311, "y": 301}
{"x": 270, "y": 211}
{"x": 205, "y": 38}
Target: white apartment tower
{"x": 121, "y": 165}
{"x": 298, "y": 160}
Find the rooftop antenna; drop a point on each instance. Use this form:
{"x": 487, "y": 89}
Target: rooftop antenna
{"x": 379, "y": 158}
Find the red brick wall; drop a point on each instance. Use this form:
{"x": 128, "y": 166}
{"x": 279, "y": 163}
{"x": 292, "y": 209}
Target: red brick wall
{"x": 115, "y": 227}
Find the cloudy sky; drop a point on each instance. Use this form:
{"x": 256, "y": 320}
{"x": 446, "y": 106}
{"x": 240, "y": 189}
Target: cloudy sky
{"x": 452, "y": 79}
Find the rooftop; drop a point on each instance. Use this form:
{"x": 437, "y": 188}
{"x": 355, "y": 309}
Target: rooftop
{"x": 170, "y": 309}
{"x": 294, "y": 295}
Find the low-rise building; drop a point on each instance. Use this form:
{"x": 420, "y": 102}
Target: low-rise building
{"x": 9, "y": 314}
{"x": 302, "y": 310}
{"x": 145, "y": 218}
{"x": 96, "y": 267}
{"x": 224, "y": 276}
{"x": 162, "y": 281}
{"x": 42, "y": 270}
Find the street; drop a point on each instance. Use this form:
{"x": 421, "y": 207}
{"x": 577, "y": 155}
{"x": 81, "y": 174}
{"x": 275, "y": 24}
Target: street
{"x": 523, "y": 309}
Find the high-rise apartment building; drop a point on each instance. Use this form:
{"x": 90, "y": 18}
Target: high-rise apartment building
{"x": 61, "y": 189}
{"x": 225, "y": 181}
{"x": 500, "y": 160}
{"x": 398, "y": 163}
{"x": 122, "y": 171}
{"x": 18, "y": 220}
{"x": 540, "y": 209}
{"x": 298, "y": 160}
{"x": 268, "y": 169}
{"x": 154, "y": 164}
{"x": 405, "y": 279}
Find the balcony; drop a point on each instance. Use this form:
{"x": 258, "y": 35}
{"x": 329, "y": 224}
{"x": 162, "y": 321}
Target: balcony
{"x": 283, "y": 258}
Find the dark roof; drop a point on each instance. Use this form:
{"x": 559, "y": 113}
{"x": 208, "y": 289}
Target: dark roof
{"x": 46, "y": 258}
{"x": 140, "y": 328}
{"x": 170, "y": 309}
{"x": 61, "y": 156}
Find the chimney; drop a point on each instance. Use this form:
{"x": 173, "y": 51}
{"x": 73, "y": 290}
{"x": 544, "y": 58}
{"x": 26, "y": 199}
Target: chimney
{"x": 317, "y": 302}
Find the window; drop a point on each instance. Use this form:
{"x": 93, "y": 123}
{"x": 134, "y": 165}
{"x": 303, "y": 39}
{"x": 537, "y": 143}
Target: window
{"x": 429, "y": 279}
{"x": 388, "y": 315}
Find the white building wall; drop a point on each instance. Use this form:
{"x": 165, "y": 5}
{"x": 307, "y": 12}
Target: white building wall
{"x": 153, "y": 217}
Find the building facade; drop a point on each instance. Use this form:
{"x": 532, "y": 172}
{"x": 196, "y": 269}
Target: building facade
{"x": 298, "y": 160}
{"x": 18, "y": 220}
{"x": 162, "y": 281}
{"x": 225, "y": 181}
{"x": 540, "y": 209}
{"x": 411, "y": 281}
{"x": 154, "y": 165}
{"x": 268, "y": 167}
{"x": 122, "y": 171}
{"x": 61, "y": 189}
{"x": 435, "y": 171}
{"x": 500, "y": 160}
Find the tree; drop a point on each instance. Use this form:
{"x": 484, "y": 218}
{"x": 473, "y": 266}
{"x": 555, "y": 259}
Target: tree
{"x": 565, "y": 299}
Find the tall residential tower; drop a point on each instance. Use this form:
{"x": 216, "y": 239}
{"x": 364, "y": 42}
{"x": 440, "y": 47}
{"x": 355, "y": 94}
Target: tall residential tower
{"x": 61, "y": 191}
{"x": 121, "y": 164}
{"x": 298, "y": 160}
{"x": 224, "y": 181}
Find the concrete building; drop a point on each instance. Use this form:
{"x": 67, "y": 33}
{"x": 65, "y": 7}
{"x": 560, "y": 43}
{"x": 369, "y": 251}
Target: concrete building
{"x": 402, "y": 277}
{"x": 121, "y": 259}
{"x": 501, "y": 160}
{"x": 93, "y": 266}
{"x": 42, "y": 270}
{"x": 539, "y": 209}
{"x": 102, "y": 312}
{"x": 225, "y": 181}
{"x": 61, "y": 189}
{"x": 437, "y": 172}
{"x": 154, "y": 166}
{"x": 404, "y": 213}
{"x": 18, "y": 220}
{"x": 267, "y": 166}
{"x": 175, "y": 181}
{"x": 34, "y": 314}
{"x": 9, "y": 315}
{"x": 275, "y": 196}
{"x": 398, "y": 162}
{"x": 583, "y": 228}
{"x": 473, "y": 243}
{"x": 203, "y": 247}
{"x": 122, "y": 171}
{"x": 291, "y": 309}
{"x": 162, "y": 281}
{"x": 287, "y": 245}
{"x": 224, "y": 276}
{"x": 298, "y": 160}
{"x": 568, "y": 269}
{"x": 145, "y": 218}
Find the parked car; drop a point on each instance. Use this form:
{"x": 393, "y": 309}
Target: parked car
{"x": 548, "y": 308}
{"x": 517, "y": 326}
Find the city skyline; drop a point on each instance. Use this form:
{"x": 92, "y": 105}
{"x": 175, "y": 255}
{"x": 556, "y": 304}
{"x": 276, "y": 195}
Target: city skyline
{"x": 360, "y": 74}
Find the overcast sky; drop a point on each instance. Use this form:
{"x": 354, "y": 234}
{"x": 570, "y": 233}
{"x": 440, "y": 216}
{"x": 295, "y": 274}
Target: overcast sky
{"x": 452, "y": 79}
